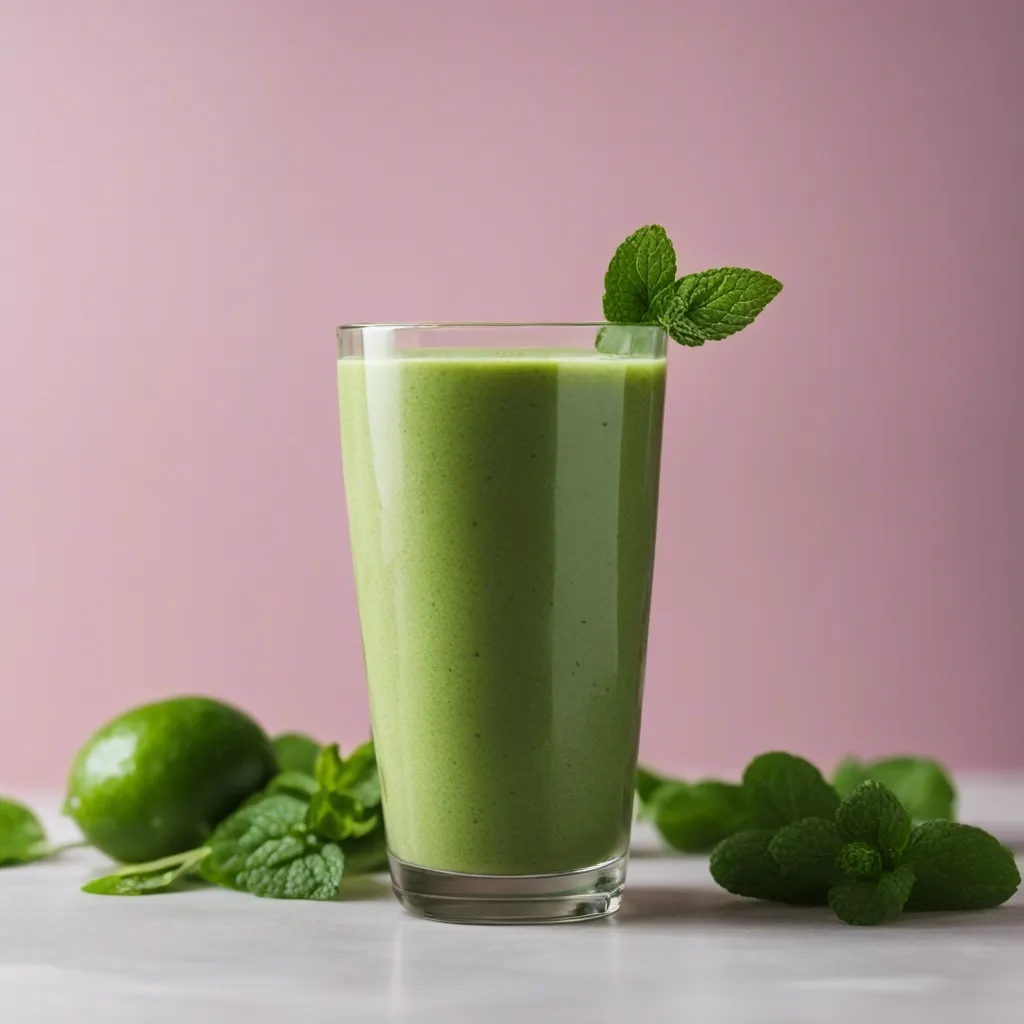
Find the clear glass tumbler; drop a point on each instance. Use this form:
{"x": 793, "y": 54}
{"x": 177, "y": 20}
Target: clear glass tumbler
{"x": 502, "y": 486}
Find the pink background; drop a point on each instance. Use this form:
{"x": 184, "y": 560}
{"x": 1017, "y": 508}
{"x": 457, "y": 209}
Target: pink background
{"x": 193, "y": 193}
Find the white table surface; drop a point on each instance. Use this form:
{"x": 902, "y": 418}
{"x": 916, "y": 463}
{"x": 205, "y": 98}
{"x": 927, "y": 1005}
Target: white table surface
{"x": 679, "y": 950}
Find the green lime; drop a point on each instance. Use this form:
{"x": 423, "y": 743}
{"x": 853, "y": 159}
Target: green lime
{"x": 159, "y": 778}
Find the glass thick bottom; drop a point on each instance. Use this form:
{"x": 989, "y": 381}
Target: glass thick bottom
{"x": 457, "y": 898}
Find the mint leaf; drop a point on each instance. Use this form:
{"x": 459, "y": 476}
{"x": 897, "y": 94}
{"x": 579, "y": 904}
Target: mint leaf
{"x": 647, "y": 784}
{"x": 368, "y": 853}
{"x": 267, "y": 850}
{"x": 361, "y": 777}
{"x": 923, "y": 786}
{"x": 808, "y": 849}
{"x": 338, "y": 816}
{"x": 22, "y": 837}
{"x": 296, "y": 783}
{"x": 661, "y": 302}
{"x": 348, "y": 791}
{"x": 871, "y": 814}
{"x": 642, "y": 265}
{"x": 715, "y": 303}
{"x": 693, "y": 818}
{"x": 857, "y": 901}
{"x": 742, "y": 865}
{"x": 330, "y": 767}
{"x": 296, "y": 752}
{"x": 781, "y": 788}
{"x": 959, "y": 867}
{"x": 356, "y": 775}
{"x": 849, "y": 774}
{"x": 146, "y": 879}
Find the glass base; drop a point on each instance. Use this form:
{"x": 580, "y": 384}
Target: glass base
{"x": 509, "y": 899}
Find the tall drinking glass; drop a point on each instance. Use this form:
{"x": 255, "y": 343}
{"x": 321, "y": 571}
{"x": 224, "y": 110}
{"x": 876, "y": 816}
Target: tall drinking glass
{"x": 502, "y": 485}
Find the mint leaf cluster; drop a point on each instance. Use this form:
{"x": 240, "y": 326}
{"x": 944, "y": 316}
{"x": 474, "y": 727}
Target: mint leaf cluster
{"x": 862, "y": 856}
{"x": 641, "y": 287}
{"x": 317, "y": 820}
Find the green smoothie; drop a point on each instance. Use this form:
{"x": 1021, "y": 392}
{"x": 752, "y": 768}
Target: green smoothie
{"x": 502, "y": 510}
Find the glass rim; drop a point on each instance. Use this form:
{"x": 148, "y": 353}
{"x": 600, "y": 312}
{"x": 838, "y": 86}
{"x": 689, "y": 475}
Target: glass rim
{"x": 449, "y": 325}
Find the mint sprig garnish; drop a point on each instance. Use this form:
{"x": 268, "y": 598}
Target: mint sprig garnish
{"x": 640, "y": 288}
